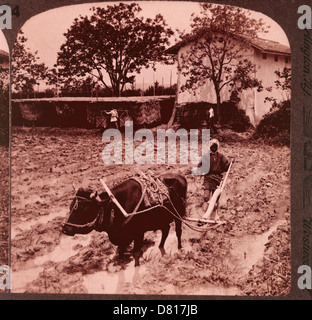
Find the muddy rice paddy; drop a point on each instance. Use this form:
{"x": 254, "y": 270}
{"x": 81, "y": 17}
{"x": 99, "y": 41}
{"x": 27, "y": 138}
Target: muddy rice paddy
{"x": 249, "y": 255}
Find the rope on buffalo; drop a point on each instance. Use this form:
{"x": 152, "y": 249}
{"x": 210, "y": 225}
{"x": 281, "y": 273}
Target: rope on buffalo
{"x": 178, "y": 216}
{"x": 75, "y": 207}
{"x": 175, "y": 215}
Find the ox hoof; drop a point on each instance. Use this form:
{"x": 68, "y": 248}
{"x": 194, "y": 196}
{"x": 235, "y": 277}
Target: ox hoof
{"x": 137, "y": 256}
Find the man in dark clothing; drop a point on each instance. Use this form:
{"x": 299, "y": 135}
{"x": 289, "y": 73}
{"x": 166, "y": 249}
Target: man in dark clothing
{"x": 218, "y": 165}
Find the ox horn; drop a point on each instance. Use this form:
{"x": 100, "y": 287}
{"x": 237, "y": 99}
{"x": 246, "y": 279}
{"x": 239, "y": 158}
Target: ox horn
{"x": 93, "y": 195}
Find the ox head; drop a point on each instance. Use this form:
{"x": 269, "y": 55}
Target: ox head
{"x": 84, "y": 213}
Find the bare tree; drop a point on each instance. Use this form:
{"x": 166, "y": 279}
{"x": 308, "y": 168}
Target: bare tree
{"x": 219, "y": 41}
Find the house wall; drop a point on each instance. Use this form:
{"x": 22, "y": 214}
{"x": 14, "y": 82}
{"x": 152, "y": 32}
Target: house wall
{"x": 205, "y": 93}
{"x": 251, "y": 100}
{"x": 247, "y": 103}
{"x": 265, "y": 72}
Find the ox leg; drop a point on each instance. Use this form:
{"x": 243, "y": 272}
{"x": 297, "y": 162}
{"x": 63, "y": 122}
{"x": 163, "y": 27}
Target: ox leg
{"x": 164, "y": 235}
{"x": 178, "y": 228}
{"x": 137, "y": 252}
{"x": 121, "y": 251}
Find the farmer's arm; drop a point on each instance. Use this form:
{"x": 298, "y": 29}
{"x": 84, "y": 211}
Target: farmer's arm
{"x": 225, "y": 163}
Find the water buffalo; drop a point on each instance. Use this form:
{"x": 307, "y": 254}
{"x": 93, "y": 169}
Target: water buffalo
{"x": 89, "y": 212}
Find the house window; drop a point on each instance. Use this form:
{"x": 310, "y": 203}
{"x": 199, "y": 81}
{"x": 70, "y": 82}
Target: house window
{"x": 264, "y": 55}
{"x": 276, "y": 58}
{"x": 287, "y": 59}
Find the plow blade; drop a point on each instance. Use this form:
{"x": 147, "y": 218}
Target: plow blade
{"x": 206, "y": 221}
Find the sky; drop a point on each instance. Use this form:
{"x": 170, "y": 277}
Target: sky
{"x": 45, "y": 32}
{"x": 3, "y": 42}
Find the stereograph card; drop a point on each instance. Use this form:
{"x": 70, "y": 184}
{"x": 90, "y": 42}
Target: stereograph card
{"x": 156, "y": 150}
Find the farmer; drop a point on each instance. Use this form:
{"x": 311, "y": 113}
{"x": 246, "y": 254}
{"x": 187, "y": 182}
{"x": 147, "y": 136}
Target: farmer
{"x": 113, "y": 118}
{"x": 218, "y": 164}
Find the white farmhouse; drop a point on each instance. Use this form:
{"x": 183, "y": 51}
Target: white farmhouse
{"x": 267, "y": 55}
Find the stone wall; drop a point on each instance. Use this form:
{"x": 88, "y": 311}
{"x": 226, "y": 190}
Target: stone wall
{"x": 89, "y": 113}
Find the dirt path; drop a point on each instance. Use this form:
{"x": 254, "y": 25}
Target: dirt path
{"x": 224, "y": 260}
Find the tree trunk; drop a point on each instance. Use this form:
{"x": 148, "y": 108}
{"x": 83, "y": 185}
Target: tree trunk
{"x": 174, "y": 111}
{"x": 218, "y": 115}
{"x": 116, "y": 91}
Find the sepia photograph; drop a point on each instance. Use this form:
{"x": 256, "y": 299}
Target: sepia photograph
{"x": 150, "y": 151}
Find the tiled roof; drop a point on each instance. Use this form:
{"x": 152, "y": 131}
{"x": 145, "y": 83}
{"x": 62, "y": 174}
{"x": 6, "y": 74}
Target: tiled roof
{"x": 263, "y": 45}
{"x": 269, "y": 46}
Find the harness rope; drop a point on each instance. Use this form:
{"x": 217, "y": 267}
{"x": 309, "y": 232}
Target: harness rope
{"x": 75, "y": 207}
{"x": 100, "y": 214}
{"x": 175, "y": 215}
{"x": 178, "y": 216}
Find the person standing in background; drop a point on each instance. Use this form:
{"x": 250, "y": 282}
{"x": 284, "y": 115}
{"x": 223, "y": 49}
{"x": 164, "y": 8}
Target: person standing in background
{"x": 114, "y": 118}
{"x": 211, "y": 120}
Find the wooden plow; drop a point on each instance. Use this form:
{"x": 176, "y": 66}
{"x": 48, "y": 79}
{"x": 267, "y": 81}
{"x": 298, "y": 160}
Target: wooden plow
{"x": 213, "y": 204}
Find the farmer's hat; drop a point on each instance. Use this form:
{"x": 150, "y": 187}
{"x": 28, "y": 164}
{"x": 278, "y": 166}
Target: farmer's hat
{"x": 214, "y": 142}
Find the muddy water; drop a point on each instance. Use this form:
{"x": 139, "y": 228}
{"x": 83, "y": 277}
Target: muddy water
{"x": 249, "y": 250}
{"x": 246, "y": 252}
{"x": 28, "y": 224}
{"x": 21, "y": 278}
{"x": 125, "y": 280}
{"x": 67, "y": 248}
{"x": 105, "y": 282}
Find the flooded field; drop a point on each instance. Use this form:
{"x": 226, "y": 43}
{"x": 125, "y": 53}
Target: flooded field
{"x": 249, "y": 255}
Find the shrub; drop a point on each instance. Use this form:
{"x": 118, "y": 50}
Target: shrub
{"x": 191, "y": 115}
{"x": 274, "y": 128}
{"x": 234, "y": 117}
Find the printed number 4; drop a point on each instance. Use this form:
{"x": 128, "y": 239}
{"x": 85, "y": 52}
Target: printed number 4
{"x": 16, "y": 11}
